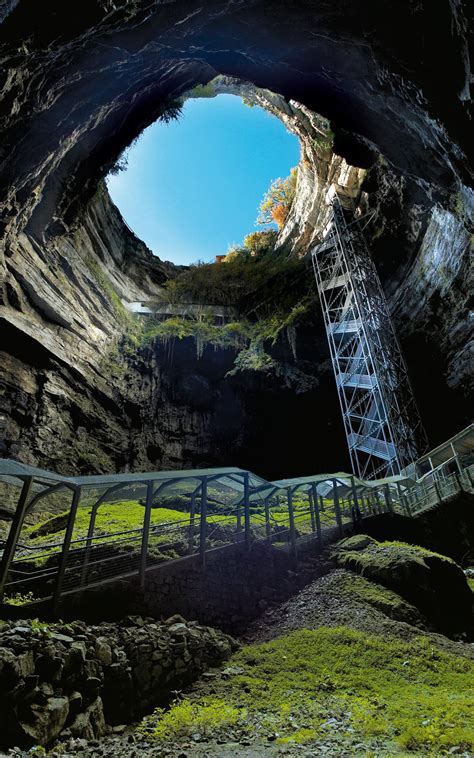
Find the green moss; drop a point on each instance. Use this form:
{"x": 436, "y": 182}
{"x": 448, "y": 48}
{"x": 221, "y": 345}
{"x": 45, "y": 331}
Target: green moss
{"x": 470, "y": 581}
{"x": 185, "y": 718}
{"x": 410, "y": 693}
{"x": 354, "y": 587}
{"x": 381, "y": 555}
{"x": 458, "y": 204}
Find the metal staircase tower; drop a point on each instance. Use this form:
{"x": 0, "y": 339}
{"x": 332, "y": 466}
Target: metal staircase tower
{"x": 382, "y": 424}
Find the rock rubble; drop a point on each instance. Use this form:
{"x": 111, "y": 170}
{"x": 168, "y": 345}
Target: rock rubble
{"x": 61, "y": 681}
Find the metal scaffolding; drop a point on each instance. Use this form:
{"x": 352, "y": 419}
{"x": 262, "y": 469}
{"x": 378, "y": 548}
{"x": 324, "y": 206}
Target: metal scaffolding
{"x": 382, "y": 424}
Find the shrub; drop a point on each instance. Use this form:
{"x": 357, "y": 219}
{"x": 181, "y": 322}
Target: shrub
{"x": 260, "y": 242}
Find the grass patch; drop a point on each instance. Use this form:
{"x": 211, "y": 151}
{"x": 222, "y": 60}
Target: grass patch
{"x": 185, "y": 718}
{"x": 114, "y": 519}
{"x": 410, "y": 694}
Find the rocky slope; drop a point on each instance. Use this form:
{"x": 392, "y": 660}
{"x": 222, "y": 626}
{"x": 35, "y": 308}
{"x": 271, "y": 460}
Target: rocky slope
{"x": 345, "y": 667}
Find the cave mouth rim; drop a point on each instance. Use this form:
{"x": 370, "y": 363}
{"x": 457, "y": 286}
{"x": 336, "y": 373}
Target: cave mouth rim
{"x": 126, "y": 161}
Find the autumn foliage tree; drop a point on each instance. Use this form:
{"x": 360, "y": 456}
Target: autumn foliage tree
{"x": 278, "y": 199}
{"x": 258, "y": 243}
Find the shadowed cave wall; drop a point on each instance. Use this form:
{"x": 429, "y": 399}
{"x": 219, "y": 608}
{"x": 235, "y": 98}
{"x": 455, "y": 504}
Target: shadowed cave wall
{"x": 76, "y": 90}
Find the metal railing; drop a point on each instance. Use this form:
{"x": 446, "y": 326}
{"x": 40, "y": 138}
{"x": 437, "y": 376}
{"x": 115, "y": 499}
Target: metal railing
{"x": 49, "y": 570}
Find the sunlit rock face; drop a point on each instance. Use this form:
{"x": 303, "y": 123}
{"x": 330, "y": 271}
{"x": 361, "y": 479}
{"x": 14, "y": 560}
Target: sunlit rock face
{"x": 78, "y": 86}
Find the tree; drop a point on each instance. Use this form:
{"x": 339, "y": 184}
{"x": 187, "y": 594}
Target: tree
{"x": 260, "y": 242}
{"x": 278, "y": 199}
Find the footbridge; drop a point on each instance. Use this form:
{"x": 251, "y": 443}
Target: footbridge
{"x": 101, "y": 528}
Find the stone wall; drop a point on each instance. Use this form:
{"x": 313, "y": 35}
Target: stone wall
{"x": 73, "y": 680}
{"x": 235, "y": 587}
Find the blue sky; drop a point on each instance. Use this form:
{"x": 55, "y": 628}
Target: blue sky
{"x": 193, "y": 187}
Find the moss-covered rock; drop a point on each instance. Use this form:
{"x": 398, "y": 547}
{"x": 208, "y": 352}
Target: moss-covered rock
{"x": 435, "y": 584}
{"x": 352, "y": 587}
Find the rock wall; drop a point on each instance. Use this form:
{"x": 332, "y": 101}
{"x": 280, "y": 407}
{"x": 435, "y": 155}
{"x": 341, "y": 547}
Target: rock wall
{"x": 78, "y": 395}
{"x": 60, "y": 681}
{"x": 62, "y": 321}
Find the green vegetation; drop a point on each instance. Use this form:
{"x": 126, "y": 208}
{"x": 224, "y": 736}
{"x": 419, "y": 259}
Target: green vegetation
{"x": 354, "y": 587}
{"x": 41, "y": 626}
{"x": 243, "y": 282}
{"x": 123, "y": 521}
{"x": 246, "y": 336}
{"x": 185, "y": 716}
{"x": 381, "y": 554}
{"x": 324, "y": 142}
{"x": 458, "y": 204}
{"x": 18, "y": 598}
{"x": 258, "y": 243}
{"x": 202, "y": 91}
{"x": 271, "y": 294}
{"x": 249, "y": 103}
{"x": 111, "y": 517}
{"x": 114, "y": 519}
{"x": 397, "y": 696}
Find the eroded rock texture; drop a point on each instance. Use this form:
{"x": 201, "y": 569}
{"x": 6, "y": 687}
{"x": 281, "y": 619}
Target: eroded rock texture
{"x": 60, "y": 682}
{"x": 79, "y": 84}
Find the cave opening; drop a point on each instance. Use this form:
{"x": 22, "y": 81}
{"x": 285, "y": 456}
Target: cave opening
{"x": 190, "y": 186}
{"x": 172, "y": 435}
{"x": 390, "y": 148}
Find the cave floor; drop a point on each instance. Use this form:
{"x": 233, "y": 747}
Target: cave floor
{"x": 322, "y": 606}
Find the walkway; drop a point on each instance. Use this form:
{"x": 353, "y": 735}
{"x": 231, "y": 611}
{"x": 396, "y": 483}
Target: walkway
{"x": 79, "y": 547}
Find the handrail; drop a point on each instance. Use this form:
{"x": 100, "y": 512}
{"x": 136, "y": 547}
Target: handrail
{"x": 103, "y": 557}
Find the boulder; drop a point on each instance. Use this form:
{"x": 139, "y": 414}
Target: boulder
{"x": 41, "y": 724}
{"x": 433, "y": 583}
{"x": 103, "y": 651}
{"x": 90, "y": 724}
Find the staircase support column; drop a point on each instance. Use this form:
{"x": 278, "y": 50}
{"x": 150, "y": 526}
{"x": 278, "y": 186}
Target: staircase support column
{"x": 14, "y": 533}
{"x": 268, "y": 529}
{"x": 192, "y": 520}
{"x": 337, "y": 508}
{"x": 146, "y": 532}
{"x": 388, "y": 498}
{"x": 317, "y": 515}
{"x": 203, "y": 524}
{"x": 248, "y": 533}
{"x": 65, "y": 551}
{"x": 291, "y": 516}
